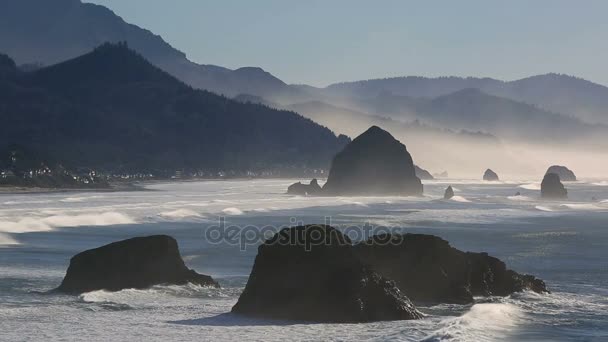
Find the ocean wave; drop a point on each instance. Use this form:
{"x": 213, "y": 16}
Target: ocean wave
{"x": 520, "y": 198}
{"x": 180, "y": 213}
{"x": 483, "y": 322}
{"x": 136, "y": 298}
{"x": 31, "y": 224}
{"x": 6, "y": 240}
{"x": 602, "y": 183}
{"x": 545, "y": 234}
{"x": 232, "y": 211}
{"x": 460, "y": 199}
{"x": 531, "y": 186}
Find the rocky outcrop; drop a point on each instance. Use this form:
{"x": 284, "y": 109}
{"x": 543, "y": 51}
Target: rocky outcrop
{"x": 490, "y": 176}
{"x": 423, "y": 174}
{"x": 552, "y": 187}
{"x": 310, "y": 273}
{"x": 449, "y": 193}
{"x": 427, "y": 269}
{"x": 564, "y": 173}
{"x": 138, "y": 263}
{"x": 305, "y": 189}
{"x": 374, "y": 163}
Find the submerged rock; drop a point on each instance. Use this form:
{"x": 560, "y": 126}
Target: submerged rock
{"x": 564, "y": 173}
{"x": 138, "y": 263}
{"x": 490, "y": 175}
{"x": 422, "y": 173}
{"x": 427, "y": 269}
{"x": 310, "y": 273}
{"x": 304, "y": 189}
{"x": 449, "y": 193}
{"x": 552, "y": 187}
{"x": 374, "y": 163}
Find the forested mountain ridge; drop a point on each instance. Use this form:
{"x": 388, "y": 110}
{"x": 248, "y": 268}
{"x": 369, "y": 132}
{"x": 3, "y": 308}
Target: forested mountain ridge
{"x": 112, "y": 109}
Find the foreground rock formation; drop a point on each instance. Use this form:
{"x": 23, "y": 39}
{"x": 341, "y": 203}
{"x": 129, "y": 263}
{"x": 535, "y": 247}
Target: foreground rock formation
{"x": 305, "y": 189}
{"x": 427, "y": 269}
{"x": 564, "y": 173}
{"x": 449, "y": 193}
{"x": 138, "y": 263}
{"x": 423, "y": 174}
{"x": 552, "y": 187}
{"x": 310, "y": 273}
{"x": 490, "y": 176}
{"x": 374, "y": 163}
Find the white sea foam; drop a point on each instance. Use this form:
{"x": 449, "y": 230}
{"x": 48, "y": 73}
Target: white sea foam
{"x": 180, "y": 213}
{"x": 460, "y": 199}
{"x": 531, "y": 186}
{"x": 521, "y": 198}
{"x": 232, "y": 211}
{"x": 483, "y": 322}
{"x": 39, "y": 224}
{"x": 6, "y": 240}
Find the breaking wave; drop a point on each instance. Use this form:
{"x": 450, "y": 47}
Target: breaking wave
{"x": 31, "y": 224}
{"x": 483, "y": 322}
{"x": 6, "y": 240}
{"x": 232, "y": 211}
{"x": 460, "y": 199}
{"x": 180, "y": 213}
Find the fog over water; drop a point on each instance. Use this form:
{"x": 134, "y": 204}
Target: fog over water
{"x": 562, "y": 242}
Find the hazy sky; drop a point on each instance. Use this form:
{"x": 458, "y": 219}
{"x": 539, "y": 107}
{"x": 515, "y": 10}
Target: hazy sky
{"x": 324, "y": 41}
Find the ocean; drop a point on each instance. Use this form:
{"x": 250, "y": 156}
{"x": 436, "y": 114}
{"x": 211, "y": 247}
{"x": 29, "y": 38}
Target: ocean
{"x": 564, "y": 243}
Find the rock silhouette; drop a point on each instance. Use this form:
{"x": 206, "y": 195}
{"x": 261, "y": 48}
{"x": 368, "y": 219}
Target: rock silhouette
{"x": 564, "y": 173}
{"x": 305, "y": 189}
{"x": 310, "y": 273}
{"x": 374, "y": 163}
{"x": 552, "y": 187}
{"x": 423, "y": 174}
{"x": 427, "y": 269}
{"x": 138, "y": 263}
{"x": 449, "y": 193}
{"x": 490, "y": 175}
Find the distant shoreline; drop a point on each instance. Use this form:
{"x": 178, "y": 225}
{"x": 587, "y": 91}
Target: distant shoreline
{"x": 114, "y": 187}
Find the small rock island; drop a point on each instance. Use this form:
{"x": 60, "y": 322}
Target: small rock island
{"x": 552, "y": 187}
{"x": 137, "y": 263}
{"x": 373, "y": 164}
{"x": 305, "y": 189}
{"x": 314, "y": 273}
{"x": 490, "y": 176}
{"x": 564, "y": 173}
{"x": 449, "y": 193}
{"x": 311, "y": 273}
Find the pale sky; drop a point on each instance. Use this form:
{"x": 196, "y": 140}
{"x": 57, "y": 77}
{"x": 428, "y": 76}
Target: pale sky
{"x": 319, "y": 42}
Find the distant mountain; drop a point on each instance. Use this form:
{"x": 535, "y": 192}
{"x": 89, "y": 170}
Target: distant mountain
{"x": 52, "y": 31}
{"x": 553, "y": 92}
{"x": 112, "y": 109}
{"x": 474, "y": 110}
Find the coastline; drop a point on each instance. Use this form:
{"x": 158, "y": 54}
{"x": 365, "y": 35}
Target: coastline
{"x": 114, "y": 187}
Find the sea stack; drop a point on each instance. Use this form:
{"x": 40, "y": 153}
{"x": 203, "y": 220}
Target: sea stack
{"x": 490, "y": 176}
{"x": 310, "y": 273}
{"x": 374, "y": 163}
{"x": 552, "y": 187}
{"x": 449, "y": 193}
{"x": 564, "y": 173}
{"x": 423, "y": 174}
{"x": 428, "y": 270}
{"x": 303, "y": 189}
{"x": 137, "y": 263}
